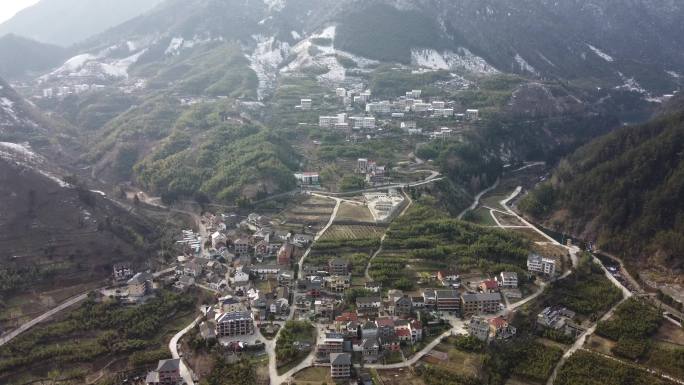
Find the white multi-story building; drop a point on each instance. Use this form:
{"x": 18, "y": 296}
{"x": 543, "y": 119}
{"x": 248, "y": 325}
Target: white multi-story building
{"x": 472, "y": 114}
{"x": 369, "y": 123}
{"x": 443, "y": 112}
{"x": 479, "y": 328}
{"x": 341, "y": 92}
{"x": 508, "y": 279}
{"x": 305, "y": 104}
{"x": 408, "y": 125}
{"x": 538, "y": 264}
{"x": 420, "y": 107}
{"x": 383, "y": 107}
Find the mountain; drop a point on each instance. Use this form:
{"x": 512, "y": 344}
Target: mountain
{"x": 54, "y": 233}
{"x": 21, "y": 121}
{"x": 21, "y": 57}
{"x": 624, "y": 191}
{"x": 633, "y": 45}
{"x": 66, "y": 22}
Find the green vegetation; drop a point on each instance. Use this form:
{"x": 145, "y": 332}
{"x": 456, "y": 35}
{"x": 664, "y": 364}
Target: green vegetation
{"x": 584, "y": 368}
{"x": 468, "y": 343}
{"x": 631, "y": 333}
{"x": 523, "y": 357}
{"x": 441, "y": 242}
{"x": 286, "y": 352}
{"x": 96, "y": 330}
{"x": 629, "y": 183}
{"x": 586, "y": 291}
{"x": 232, "y": 161}
{"x": 242, "y": 372}
{"x": 214, "y": 69}
{"x": 632, "y": 326}
{"x": 437, "y": 376}
{"x": 386, "y": 81}
{"x": 352, "y": 183}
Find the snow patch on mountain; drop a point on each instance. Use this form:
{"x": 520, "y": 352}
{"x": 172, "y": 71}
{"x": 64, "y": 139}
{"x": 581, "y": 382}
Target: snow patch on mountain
{"x": 630, "y": 84}
{"x": 601, "y": 54}
{"x": 275, "y": 5}
{"x": 296, "y": 35}
{"x": 21, "y": 154}
{"x": 265, "y": 60}
{"x": 523, "y": 65}
{"x": 178, "y": 44}
{"x": 674, "y": 74}
{"x": 462, "y": 59}
{"x": 97, "y": 66}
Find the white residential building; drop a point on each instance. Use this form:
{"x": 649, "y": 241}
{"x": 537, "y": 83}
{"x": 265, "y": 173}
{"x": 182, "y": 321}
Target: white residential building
{"x": 508, "y": 279}
{"x": 538, "y": 264}
{"x": 472, "y": 114}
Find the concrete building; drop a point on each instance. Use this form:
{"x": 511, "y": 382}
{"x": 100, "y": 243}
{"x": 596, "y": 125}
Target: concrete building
{"x": 234, "y": 324}
{"x": 508, "y": 279}
{"x": 308, "y": 178}
{"x": 472, "y": 114}
{"x": 139, "y": 285}
{"x": 478, "y": 303}
{"x": 538, "y": 264}
{"x": 448, "y": 300}
{"x": 340, "y": 365}
{"x": 478, "y": 327}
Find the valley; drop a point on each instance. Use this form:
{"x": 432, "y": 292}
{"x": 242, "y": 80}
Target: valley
{"x": 275, "y": 192}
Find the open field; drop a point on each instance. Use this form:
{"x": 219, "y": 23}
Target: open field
{"x": 313, "y": 212}
{"x": 600, "y": 344}
{"x": 403, "y": 376}
{"x": 347, "y": 232}
{"x": 530, "y": 234}
{"x": 508, "y": 220}
{"x": 481, "y": 216}
{"x": 314, "y": 375}
{"x": 352, "y": 212}
{"x": 459, "y": 362}
{"x": 671, "y": 333}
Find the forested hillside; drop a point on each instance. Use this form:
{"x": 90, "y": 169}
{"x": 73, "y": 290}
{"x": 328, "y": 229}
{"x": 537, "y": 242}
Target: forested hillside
{"x": 624, "y": 190}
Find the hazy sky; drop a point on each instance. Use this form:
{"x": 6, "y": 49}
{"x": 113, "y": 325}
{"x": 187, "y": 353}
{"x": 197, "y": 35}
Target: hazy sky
{"x": 9, "y": 8}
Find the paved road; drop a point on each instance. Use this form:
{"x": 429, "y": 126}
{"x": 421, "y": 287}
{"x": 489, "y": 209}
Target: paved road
{"x": 28, "y": 325}
{"x": 476, "y": 201}
{"x": 185, "y": 372}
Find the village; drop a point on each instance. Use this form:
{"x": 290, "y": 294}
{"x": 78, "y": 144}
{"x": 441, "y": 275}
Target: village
{"x": 253, "y": 270}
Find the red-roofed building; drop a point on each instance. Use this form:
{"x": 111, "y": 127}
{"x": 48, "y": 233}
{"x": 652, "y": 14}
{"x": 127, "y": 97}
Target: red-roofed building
{"x": 501, "y": 328}
{"x": 416, "y": 331}
{"x": 285, "y": 254}
{"x": 403, "y": 335}
{"x": 489, "y": 286}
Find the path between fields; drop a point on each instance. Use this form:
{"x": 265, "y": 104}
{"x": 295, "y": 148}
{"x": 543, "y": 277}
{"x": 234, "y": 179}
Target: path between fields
{"x": 384, "y": 235}
{"x": 476, "y": 201}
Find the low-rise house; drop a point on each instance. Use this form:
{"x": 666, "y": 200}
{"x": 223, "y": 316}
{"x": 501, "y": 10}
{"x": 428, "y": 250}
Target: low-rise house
{"x": 368, "y": 304}
{"x": 324, "y": 308}
{"x": 338, "y": 266}
{"x": 478, "y": 303}
{"x": 489, "y": 286}
{"x": 167, "y": 373}
{"x": 122, "y": 271}
{"x": 472, "y": 114}
{"x": 478, "y": 327}
{"x": 302, "y": 240}
{"x": 139, "y": 285}
{"x": 501, "y": 329}
{"x": 538, "y": 264}
{"x": 558, "y": 318}
{"x": 403, "y": 335}
{"x": 371, "y": 349}
{"x": 241, "y": 247}
{"x": 402, "y": 306}
{"x": 264, "y": 271}
{"x": 373, "y": 287}
{"x": 508, "y": 279}
{"x": 234, "y": 324}
{"x": 385, "y": 326}
{"x": 449, "y": 278}
{"x": 429, "y": 298}
{"x": 389, "y": 343}
{"x": 340, "y": 365}
{"x": 285, "y": 254}
{"x": 339, "y": 283}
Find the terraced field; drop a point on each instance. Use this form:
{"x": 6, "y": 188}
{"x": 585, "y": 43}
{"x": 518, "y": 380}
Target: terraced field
{"x": 352, "y": 232}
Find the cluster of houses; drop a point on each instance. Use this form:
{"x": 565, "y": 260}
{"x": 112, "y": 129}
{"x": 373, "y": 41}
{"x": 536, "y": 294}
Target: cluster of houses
{"x": 373, "y": 172}
{"x": 409, "y": 105}
{"x": 371, "y": 337}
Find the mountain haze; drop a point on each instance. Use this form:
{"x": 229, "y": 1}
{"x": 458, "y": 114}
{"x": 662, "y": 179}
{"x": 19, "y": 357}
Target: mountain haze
{"x": 65, "y": 22}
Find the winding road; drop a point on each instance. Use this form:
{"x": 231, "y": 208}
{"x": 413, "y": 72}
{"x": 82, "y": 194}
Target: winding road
{"x": 185, "y": 371}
